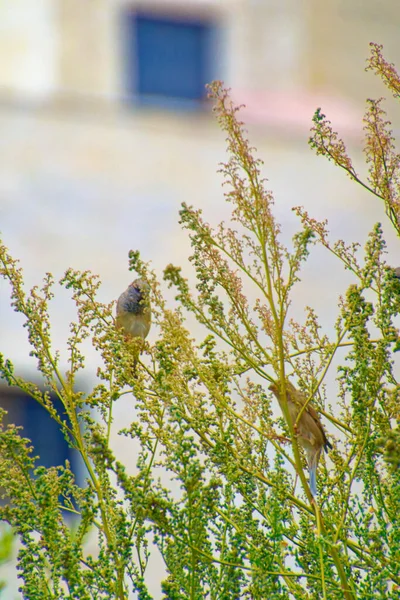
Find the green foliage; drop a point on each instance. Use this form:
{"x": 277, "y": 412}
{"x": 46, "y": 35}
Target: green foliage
{"x": 221, "y": 485}
{"x": 6, "y": 547}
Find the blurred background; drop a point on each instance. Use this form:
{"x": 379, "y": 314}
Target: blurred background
{"x": 105, "y": 130}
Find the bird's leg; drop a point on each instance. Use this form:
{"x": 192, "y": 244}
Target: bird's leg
{"x": 282, "y": 439}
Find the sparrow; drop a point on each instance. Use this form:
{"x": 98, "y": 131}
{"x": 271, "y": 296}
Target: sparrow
{"x": 310, "y": 433}
{"x": 134, "y": 311}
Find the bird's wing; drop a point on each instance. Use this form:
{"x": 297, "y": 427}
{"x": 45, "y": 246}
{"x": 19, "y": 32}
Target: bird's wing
{"x": 313, "y": 413}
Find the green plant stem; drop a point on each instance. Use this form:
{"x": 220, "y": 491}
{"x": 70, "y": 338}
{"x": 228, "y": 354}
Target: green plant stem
{"x": 320, "y": 551}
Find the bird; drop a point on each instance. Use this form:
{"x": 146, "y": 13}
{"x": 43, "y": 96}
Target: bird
{"x": 311, "y": 434}
{"x": 134, "y": 310}
{"x": 396, "y": 272}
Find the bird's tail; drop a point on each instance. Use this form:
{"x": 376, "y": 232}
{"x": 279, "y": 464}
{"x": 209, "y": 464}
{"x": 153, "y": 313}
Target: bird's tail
{"x": 312, "y": 460}
{"x": 313, "y": 480}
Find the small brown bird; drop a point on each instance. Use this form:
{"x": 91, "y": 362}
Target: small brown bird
{"x": 134, "y": 311}
{"x": 311, "y": 434}
{"x": 397, "y": 272}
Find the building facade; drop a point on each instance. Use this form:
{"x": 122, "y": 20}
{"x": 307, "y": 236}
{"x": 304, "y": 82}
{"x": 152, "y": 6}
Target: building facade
{"x": 105, "y": 131}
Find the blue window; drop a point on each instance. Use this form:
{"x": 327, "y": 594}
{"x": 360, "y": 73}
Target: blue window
{"x": 168, "y": 58}
{"x": 47, "y": 440}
